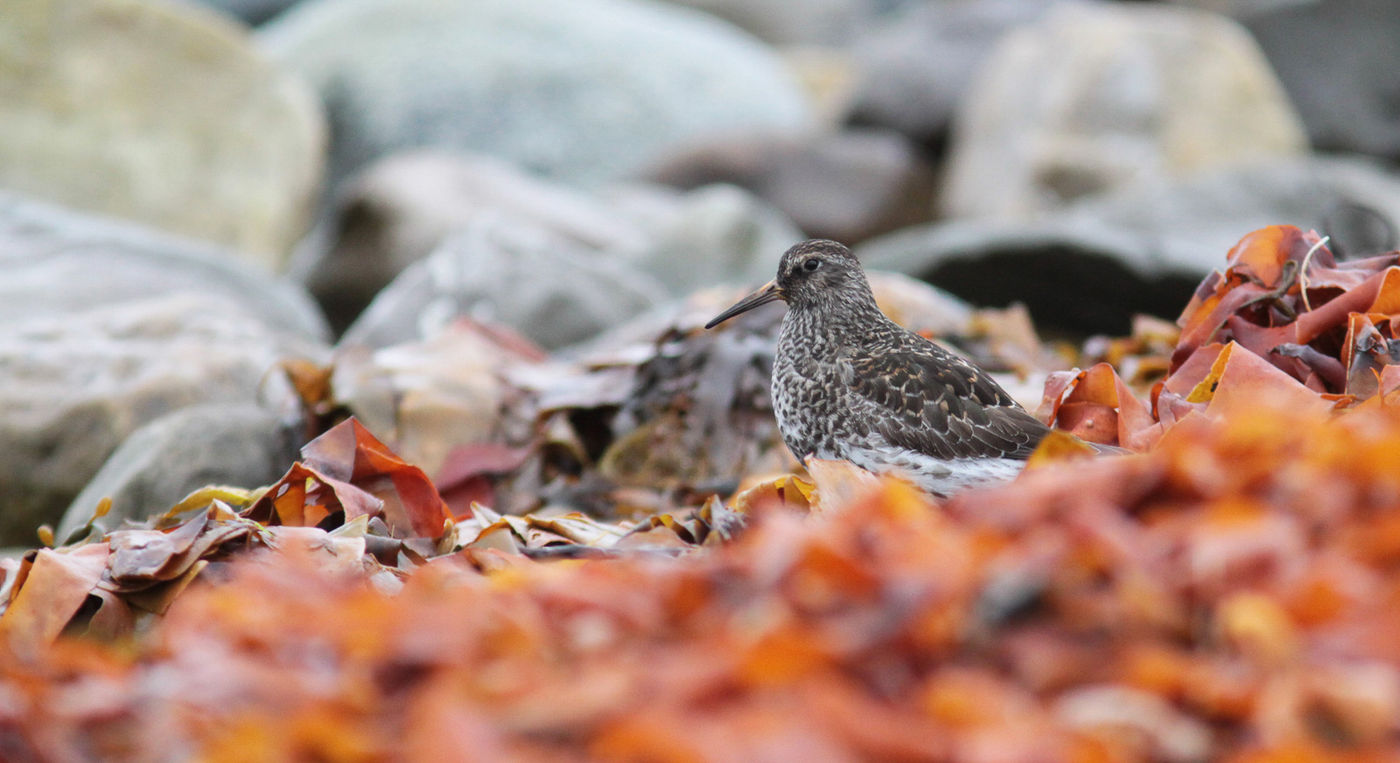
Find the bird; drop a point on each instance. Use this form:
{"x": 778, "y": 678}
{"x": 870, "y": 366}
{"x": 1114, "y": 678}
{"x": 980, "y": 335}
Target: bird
{"x": 850, "y": 384}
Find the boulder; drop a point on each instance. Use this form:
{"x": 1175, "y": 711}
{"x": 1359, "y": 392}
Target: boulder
{"x": 162, "y": 113}
{"x": 848, "y": 185}
{"x": 508, "y": 271}
{"x": 584, "y": 90}
{"x": 107, "y": 327}
{"x": 914, "y": 67}
{"x": 251, "y": 12}
{"x": 711, "y": 235}
{"x": 800, "y": 22}
{"x": 1142, "y": 249}
{"x": 656, "y": 241}
{"x": 1097, "y": 95}
{"x": 1337, "y": 59}
{"x": 397, "y": 210}
{"x": 234, "y": 444}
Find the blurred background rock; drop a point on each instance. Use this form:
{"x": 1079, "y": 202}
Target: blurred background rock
{"x": 190, "y": 191}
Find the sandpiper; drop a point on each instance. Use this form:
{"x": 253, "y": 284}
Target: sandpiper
{"x": 849, "y": 383}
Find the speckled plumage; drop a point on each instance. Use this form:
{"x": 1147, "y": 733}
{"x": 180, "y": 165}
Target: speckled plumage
{"x": 849, "y": 383}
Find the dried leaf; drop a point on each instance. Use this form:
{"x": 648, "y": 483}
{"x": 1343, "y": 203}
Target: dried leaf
{"x": 56, "y": 586}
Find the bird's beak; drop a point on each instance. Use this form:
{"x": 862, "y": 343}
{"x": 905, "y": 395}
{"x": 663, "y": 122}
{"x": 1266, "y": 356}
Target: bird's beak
{"x": 769, "y": 292}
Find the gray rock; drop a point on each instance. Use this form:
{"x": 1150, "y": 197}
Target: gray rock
{"x": 239, "y": 445}
{"x": 584, "y": 90}
{"x": 1143, "y": 249}
{"x": 509, "y": 271}
{"x": 1338, "y": 59}
{"x": 104, "y": 327}
{"x": 78, "y": 382}
{"x": 55, "y": 260}
{"x": 400, "y": 208}
{"x": 711, "y": 235}
{"x": 913, "y": 68}
{"x": 846, "y": 186}
{"x": 1096, "y": 95}
{"x": 1242, "y": 8}
{"x": 251, "y": 12}
{"x": 161, "y": 113}
{"x": 800, "y": 22}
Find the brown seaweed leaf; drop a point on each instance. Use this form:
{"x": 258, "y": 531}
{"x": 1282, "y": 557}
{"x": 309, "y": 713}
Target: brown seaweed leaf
{"x": 348, "y": 470}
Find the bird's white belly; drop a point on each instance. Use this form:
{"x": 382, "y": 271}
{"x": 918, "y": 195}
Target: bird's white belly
{"x": 935, "y": 475}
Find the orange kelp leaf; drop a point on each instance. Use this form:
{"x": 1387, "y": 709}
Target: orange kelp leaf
{"x": 839, "y": 483}
{"x": 1058, "y": 446}
{"x": 311, "y": 381}
{"x": 305, "y": 496}
{"x": 1388, "y": 293}
{"x": 1272, "y": 267}
{"x": 57, "y": 585}
{"x": 1090, "y": 410}
{"x": 1100, "y": 408}
{"x": 788, "y": 491}
{"x": 1239, "y": 378}
{"x": 1263, "y": 253}
{"x": 1370, "y": 346}
{"x": 1056, "y": 384}
{"x": 1322, "y": 319}
{"x": 1200, "y": 327}
{"x": 348, "y": 452}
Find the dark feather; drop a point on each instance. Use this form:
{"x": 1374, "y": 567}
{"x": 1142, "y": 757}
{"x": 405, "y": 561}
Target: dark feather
{"x": 936, "y": 403}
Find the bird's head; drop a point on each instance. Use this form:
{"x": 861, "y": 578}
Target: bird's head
{"x": 810, "y": 273}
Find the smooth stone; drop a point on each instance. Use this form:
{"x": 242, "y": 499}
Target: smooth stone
{"x": 847, "y": 186}
{"x": 1095, "y": 95}
{"x": 397, "y": 210}
{"x": 161, "y": 113}
{"x": 913, "y": 68}
{"x": 584, "y": 90}
{"x": 1142, "y": 249}
{"x": 800, "y": 22}
{"x": 407, "y": 205}
{"x": 508, "y": 271}
{"x": 250, "y": 12}
{"x": 56, "y": 260}
{"x": 78, "y": 382}
{"x": 234, "y": 444}
{"x": 693, "y": 239}
{"x": 1337, "y": 60}
{"x": 105, "y": 326}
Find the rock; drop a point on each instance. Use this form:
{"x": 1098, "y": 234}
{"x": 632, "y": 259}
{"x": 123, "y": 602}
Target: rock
{"x": 1094, "y": 96}
{"x": 847, "y": 186}
{"x": 584, "y": 90}
{"x": 162, "y": 113}
{"x": 407, "y": 205}
{"x": 80, "y": 381}
{"x": 251, "y": 12}
{"x": 1337, "y": 60}
{"x": 107, "y": 327}
{"x": 55, "y": 261}
{"x": 1241, "y": 8}
{"x": 713, "y": 234}
{"x": 234, "y": 444}
{"x": 508, "y": 271}
{"x": 800, "y": 22}
{"x": 1143, "y": 249}
{"x": 914, "y": 67}
{"x": 400, "y": 208}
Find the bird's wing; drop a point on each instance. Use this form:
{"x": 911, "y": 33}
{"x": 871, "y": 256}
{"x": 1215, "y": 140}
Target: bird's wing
{"x": 933, "y": 402}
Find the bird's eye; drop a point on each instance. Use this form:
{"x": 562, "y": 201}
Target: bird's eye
{"x": 811, "y": 264}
